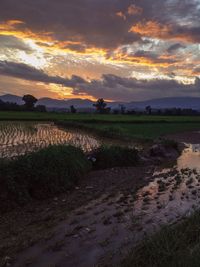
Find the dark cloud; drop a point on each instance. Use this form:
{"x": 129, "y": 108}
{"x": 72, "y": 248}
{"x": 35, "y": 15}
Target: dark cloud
{"x": 175, "y": 47}
{"x": 23, "y": 71}
{"x": 127, "y": 89}
{"x": 11, "y": 42}
{"x": 89, "y": 22}
{"x": 109, "y": 86}
{"x": 153, "y": 57}
{"x": 95, "y": 23}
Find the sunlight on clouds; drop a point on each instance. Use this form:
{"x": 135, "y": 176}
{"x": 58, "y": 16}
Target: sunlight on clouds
{"x": 67, "y": 92}
{"x": 36, "y": 61}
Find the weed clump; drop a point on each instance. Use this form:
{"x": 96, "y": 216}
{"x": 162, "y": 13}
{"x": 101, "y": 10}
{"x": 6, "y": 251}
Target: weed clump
{"x": 41, "y": 174}
{"x": 115, "y": 156}
{"x": 171, "y": 246}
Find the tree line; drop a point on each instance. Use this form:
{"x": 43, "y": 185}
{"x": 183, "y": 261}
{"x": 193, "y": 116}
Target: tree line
{"x": 100, "y": 106}
{"x": 29, "y": 105}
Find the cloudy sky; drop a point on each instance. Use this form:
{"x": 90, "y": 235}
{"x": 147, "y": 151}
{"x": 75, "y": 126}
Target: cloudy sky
{"x": 125, "y": 50}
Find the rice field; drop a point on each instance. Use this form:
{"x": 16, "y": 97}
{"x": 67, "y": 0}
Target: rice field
{"x": 18, "y": 138}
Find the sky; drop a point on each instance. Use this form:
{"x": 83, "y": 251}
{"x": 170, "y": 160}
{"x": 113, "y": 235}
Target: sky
{"x": 119, "y": 50}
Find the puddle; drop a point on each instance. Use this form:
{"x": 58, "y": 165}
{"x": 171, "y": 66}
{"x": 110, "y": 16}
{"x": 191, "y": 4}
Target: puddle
{"x": 190, "y": 157}
{"x": 172, "y": 193}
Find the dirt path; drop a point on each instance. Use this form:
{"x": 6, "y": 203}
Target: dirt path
{"x": 186, "y": 137}
{"x": 75, "y": 229}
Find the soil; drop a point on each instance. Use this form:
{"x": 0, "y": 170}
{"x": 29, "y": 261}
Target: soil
{"x": 186, "y": 137}
{"x": 79, "y": 228}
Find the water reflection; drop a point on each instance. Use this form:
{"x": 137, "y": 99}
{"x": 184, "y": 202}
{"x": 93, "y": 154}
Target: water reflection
{"x": 17, "y": 138}
{"x": 172, "y": 193}
{"x": 190, "y": 157}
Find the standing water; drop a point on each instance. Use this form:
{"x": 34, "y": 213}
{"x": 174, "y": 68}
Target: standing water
{"x": 172, "y": 193}
{"x": 17, "y": 138}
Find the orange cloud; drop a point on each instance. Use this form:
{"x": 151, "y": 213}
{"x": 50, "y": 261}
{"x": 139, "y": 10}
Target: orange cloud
{"x": 121, "y": 15}
{"x": 18, "y": 29}
{"x": 154, "y": 29}
{"x": 46, "y": 40}
{"x": 134, "y": 10}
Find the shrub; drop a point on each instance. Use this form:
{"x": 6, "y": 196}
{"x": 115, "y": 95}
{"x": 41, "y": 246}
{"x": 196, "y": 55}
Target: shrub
{"x": 42, "y": 174}
{"x": 115, "y": 156}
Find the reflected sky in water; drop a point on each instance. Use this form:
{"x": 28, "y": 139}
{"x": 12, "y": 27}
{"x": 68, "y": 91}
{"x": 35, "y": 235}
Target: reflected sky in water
{"x": 17, "y": 138}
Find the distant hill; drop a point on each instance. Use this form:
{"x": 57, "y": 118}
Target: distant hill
{"x": 55, "y": 103}
{"x": 12, "y": 99}
{"x": 80, "y": 104}
{"x": 169, "y": 102}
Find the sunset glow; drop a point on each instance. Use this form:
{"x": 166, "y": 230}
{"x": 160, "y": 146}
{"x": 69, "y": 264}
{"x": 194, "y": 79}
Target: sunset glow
{"x": 139, "y": 40}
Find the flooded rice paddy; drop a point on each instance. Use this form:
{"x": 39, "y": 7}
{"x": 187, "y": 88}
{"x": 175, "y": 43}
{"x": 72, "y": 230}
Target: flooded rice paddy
{"x": 17, "y": 138}
{"x": 112, "y": 223}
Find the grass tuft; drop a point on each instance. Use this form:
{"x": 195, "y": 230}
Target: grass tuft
{"x": 174, "y": 246}
{"x": 41, "y": 174}
{"x": 115, "y": 156}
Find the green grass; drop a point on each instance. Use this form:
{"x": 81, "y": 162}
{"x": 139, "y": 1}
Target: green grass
{"x": 115, "y": 156}
{"x": 41, "y": 174}
{"x": 174, "y": 246}
{"x": 147, "y": 131}
{"x": 50, "y": 116}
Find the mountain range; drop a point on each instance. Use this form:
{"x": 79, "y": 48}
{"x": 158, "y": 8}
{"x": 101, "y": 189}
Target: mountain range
{"x": 161, "y": 103}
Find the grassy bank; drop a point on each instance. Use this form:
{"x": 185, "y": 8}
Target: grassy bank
{"x": 175, "y": 246}
{"x": 41, "y": 174}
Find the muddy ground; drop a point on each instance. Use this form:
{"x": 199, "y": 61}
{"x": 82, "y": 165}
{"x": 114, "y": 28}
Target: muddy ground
{"x": 186, "y": 137}
{"x": 107, "y": 213}
{"x": 25, "y": 226}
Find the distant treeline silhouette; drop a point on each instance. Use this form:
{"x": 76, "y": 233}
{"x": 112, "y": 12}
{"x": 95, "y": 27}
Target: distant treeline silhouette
{"x": 29, "y": 105}
{"x": 101, "y": 108}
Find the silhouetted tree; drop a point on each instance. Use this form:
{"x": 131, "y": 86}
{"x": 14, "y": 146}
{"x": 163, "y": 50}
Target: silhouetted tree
{"x": 72, "y": 109}
{"x": 148, "y": 110}
{"x": 9, "y": 106}
{"x": 29, "y": 101}
{"x": 100, "y": 105}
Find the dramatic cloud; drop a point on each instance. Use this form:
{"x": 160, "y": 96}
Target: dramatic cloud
{"x": 96, "y": 24}
{"x": 26, "y": 72}
{"x": 127, "y": 89}
{"x": 11, "y": 42}
{"x": 175, "y": 47}
{"x": 95, "y": 42}
{"x": 109, "y": 86}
